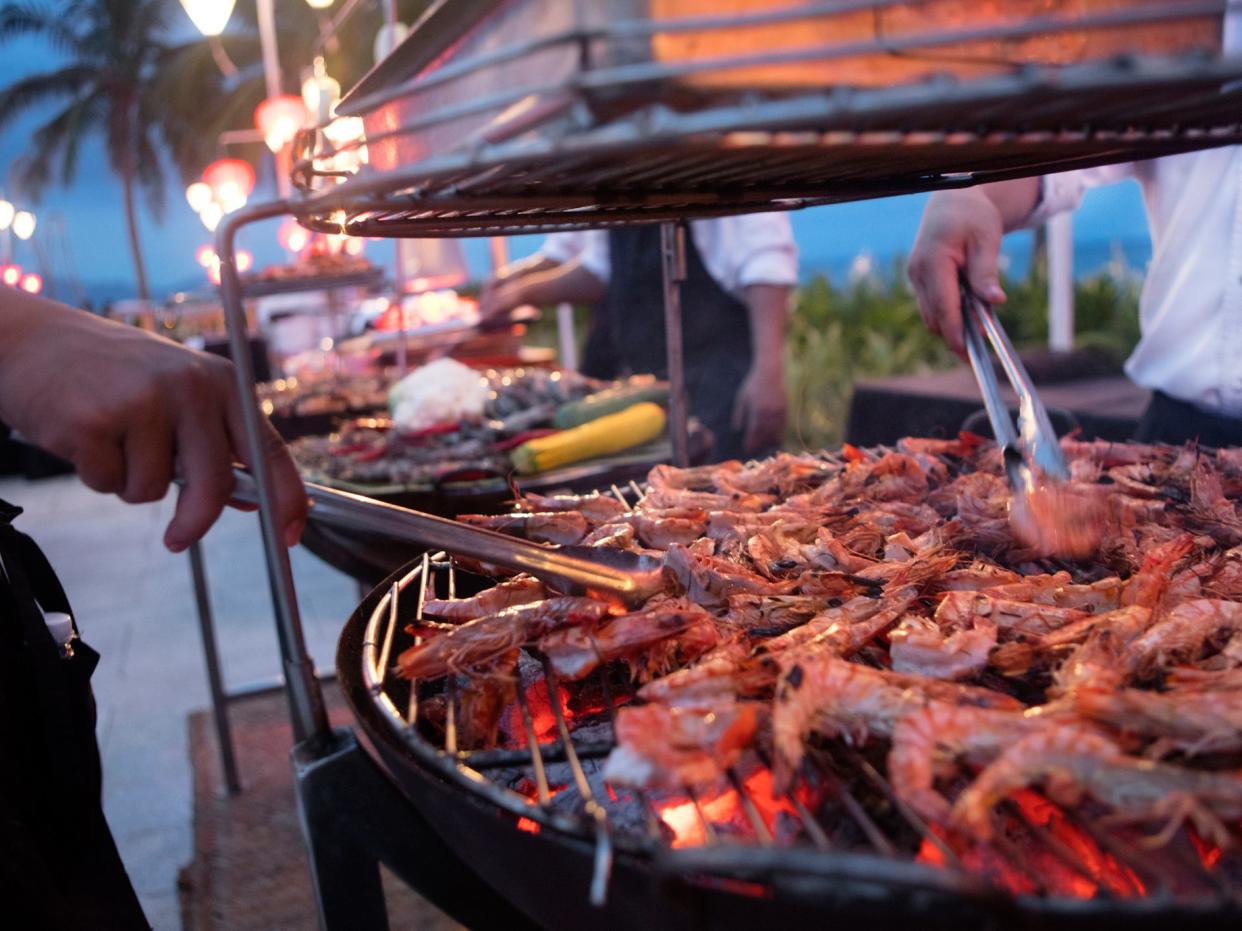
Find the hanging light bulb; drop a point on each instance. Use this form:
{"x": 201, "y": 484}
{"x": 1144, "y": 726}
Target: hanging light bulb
{"x": 32, "y": 283}
{"x": 244, "y": 260}
{"x": 23, "y": 224}
{"x": 209, "y": 16}
{"x": 7, "y": 212}
{"x": 279, "y": 119}
{"x": 348, "y": 136}
{"x": 211, "y": 215}
{"x": 230, "y": 179}
{"x": 11, "y": 275}
{"x": 319, "y": 4}
{"x": 320, "y": 93}
{"x": 292, "y": 235}
{"x": 205, "y": 256}
{"x": 198, "y": 195}
{"x": 388, "y": 38}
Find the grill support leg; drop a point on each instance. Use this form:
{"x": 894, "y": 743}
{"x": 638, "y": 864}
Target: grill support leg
{"x": 215, "y": 678}
{"x": 673, "y": 264}
{"x": 353, "y": 818}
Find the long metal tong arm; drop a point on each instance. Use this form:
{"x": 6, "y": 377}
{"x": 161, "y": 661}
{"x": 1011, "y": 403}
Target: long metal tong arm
{"x": 1034, "y": 439}
{"x": 566, "y": 571}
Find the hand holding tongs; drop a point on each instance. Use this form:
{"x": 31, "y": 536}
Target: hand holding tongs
{"x": 1034, "y": 442}
{"x": 571, "y": 570}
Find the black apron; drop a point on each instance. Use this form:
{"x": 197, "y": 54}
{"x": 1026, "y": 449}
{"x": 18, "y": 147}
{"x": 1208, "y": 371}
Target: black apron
{"x": 59, "y": 867}
{"x": 1169, "y": 420}
{"x": 627, "y": 331}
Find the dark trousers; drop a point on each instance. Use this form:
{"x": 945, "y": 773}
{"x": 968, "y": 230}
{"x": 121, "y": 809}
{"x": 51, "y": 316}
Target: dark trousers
{"x": 1168, "y": 420}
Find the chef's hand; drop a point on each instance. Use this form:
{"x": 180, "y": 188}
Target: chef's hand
{"x": 961, "y": 231}
{"x": 760, "y": 407}
{"x": 131, "y": 410}
{"x": 500, "y": 296}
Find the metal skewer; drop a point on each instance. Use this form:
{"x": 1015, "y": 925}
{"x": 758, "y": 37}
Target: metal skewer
{"x": 1032, "y": 447}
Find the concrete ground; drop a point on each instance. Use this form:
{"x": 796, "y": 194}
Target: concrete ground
{"x": 134, "y": 604}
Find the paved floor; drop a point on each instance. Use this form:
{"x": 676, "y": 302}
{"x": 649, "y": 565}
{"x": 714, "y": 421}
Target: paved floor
{"x": 134, "y": 604}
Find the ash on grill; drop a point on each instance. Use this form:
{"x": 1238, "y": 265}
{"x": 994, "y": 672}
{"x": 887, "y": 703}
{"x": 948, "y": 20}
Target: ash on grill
{"x": 1089, "y": 748}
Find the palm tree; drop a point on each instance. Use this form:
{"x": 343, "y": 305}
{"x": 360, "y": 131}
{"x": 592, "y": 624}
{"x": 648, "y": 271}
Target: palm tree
{"x": 123, "y": 77}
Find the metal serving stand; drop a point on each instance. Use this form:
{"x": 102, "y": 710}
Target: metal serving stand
{"x": 604, "y": 145}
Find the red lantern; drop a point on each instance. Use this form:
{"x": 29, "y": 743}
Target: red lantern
{"x": 11, "y": 275}
{"x": 205, "y": 256}
{"x": 279, "y": 119}
{"x": 231, "y": 180}
{"x": 32, "y": 283}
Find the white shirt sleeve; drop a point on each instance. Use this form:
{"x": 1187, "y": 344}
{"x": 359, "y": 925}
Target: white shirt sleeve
{"x": 755, "y": 248}
{"x": 562, "y": 247}
{"x": 1064, "y": 191}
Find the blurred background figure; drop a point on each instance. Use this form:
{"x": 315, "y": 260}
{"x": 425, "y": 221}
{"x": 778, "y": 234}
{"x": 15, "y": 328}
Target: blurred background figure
{"x": 740, "y": 272}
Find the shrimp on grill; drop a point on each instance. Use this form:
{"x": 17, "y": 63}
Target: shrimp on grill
{"x": 1071, "y": 762}
{"x": 919, "y": 646}
{"x": 567, "y": 527}
{"x": 659, "y": 498}
{"x": 1148, "y": 586}
{"x": 596, "y": 508}
{"x": 1193, "y": 721}
{"x": 574, "y": 652}
{"x": 660, "y": 529}
{"x": 1059, "y": 590}
{"x": 519, "y": 590}
{"x": 847, "y": 628}
{"x": 823, "y": 694}
{"x": 711, "y": 580}
{"x": 477, "y": 642}
{"x": 960, "y": 608}
{"x": 661, "y": 746}
{"x": 1184, "y": 633}
{"x": 484, "y": 696}
{"x": 728, "y": 670}
{"x": 1096, "y": 662}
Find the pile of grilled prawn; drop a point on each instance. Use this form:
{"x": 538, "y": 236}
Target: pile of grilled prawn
{"x": 880, "y": 597}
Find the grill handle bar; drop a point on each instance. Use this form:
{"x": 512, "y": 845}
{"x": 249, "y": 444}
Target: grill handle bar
{"x": 571, "y": 570}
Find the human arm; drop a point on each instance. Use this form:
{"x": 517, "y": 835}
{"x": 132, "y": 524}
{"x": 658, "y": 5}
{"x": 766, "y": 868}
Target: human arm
{"x": 131, "y": 410}
{"x": 961, "y": 231}
{"x": 570, "y": 281}
{"x": 760, "y": 408}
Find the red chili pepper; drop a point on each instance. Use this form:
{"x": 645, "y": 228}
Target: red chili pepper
{"x": 371, "y": 455}
{"x": 439, "y": 429}
{"x": 350, "y": 448}
{"x": 853, "y": 453}
{"x": 513, "y": 442}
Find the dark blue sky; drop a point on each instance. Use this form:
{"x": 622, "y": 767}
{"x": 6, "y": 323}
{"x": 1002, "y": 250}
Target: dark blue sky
{"x": 94, "y": 220}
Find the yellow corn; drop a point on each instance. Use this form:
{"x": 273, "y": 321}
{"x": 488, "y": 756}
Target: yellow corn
{"x": 613, "y": 433}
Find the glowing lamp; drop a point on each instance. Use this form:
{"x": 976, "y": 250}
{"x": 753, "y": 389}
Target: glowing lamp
{"x": 319, "y": 4}
{"x": 7, "y": 211}
{"x": 23, "y": 224}
{"x": 211, "y": 215}
{"x": 293, "y": 236}
{"x": 11, "y": 275}
{"x": 354, "y": 246}
{"x": 244, "y": 260}
{"x": 320, "y": 93}
{"x": 230, "y": 179}
{"x": 32, "y": 283}
{"x": 205, "y": 256}
{"x": 198, "y": 195}
{"x": 279, "y": 119}
{"x": 208, "y": 16}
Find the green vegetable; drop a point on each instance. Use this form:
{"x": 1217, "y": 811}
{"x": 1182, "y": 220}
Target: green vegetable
{"x": 602, "y": 403}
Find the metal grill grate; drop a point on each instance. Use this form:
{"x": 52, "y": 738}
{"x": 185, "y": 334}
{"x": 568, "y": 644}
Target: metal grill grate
{"x": 848, "y": 824}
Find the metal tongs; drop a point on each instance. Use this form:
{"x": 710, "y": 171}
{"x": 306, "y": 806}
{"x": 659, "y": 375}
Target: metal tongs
{"x": 1031, "y": 452}
{"x": 630, "y": 578}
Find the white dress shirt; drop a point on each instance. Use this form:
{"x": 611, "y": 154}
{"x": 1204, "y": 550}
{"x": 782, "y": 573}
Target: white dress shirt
{"x": 756, "y": 248}
{"x": 1190, "y": 310}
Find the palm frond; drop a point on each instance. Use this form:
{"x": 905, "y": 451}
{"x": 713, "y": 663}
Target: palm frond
{"x": 39, "y": 87}
{"x": 34, "y": 19}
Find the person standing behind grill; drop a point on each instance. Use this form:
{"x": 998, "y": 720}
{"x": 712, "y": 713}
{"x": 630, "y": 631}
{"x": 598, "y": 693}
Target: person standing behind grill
{"x": 1190, "y": 309}
{"x": 740, "y": 272}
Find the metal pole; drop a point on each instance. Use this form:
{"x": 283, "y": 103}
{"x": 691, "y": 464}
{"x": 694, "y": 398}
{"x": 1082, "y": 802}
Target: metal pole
{"x": 267, "y": 44}
{"x": 215, "y": 681}
{"x": 566, "y": 338}
{"x": 306, "y": 708}
{"x": 1061, "y": 283}
{"x": 673, "y": 262}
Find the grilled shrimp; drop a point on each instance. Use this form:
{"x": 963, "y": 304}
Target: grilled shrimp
{"x": 824, "y": 694}
{"x": 1060, "y": 519}
{"x": 1182, "y": 634}
{"x": 484, "y": 697}
{"x": 711, "y": 580}
{"x": 919, "y": 646}
{"x": 848, "y": 628}
{"x": 659, "y": 498}
{"x": 483, "y": 639}
{"x": 567, "y": 527}
{"x": 928, "y": 738}
{"x": 1148, "y": 586}
{"x": 661, "y": 529}
{"x": 958, "y": 609}
{"x": 575, "y": 652}
{"x": 661, "y": 746}
{"x": 1096, "y": 662}
{"x": 1190, "y": 720}
{"x": 596, "y": 508}
{"x": 519, "y": 590}
{"x": 1072, "y": 761}
{"x": 1058, "y": 589}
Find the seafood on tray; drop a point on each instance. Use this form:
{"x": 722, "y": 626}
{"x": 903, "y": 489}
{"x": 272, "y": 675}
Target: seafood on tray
{"x": 881, "y": 600}
{"x": 518, "y": 406}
